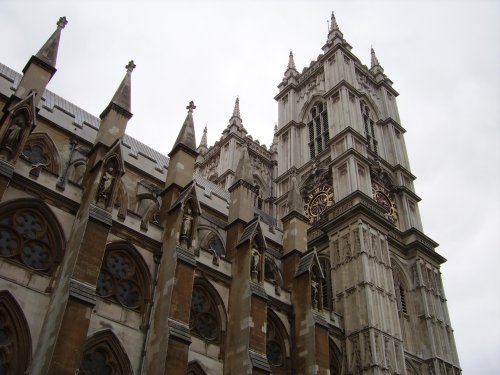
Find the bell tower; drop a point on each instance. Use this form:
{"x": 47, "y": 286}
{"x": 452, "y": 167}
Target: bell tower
{"x": 340, "y": 136}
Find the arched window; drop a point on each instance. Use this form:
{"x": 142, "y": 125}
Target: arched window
{"x": 399, "y": 288}
{"x": 216, "y": 246}
{"x": 326, "y": 283}
{"x": 368, "y": 123}
{"x": 41, "y": 152}
{"x": 194, "y": 368}
{"x": 335, "y": 359}
{"x": 124, "y": 277}
{"x": 30, "y": 235}
{"x": 104, "y": 355}
{"x": 204, "y": 320}
{"x": 317, "y": 127}
{"x": 15, "y": 340}
{"x": 276, "y": 350}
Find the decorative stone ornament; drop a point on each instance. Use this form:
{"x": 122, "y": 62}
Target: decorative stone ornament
{"x": 384, "y": 198}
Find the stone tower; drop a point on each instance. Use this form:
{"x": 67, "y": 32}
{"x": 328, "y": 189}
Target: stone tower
{"x": 339, "y": 130}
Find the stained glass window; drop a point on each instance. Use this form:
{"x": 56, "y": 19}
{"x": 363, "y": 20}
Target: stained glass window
{"x": 274, "y": 345}
{"x": 203, "y": 319}
{"x": 318, "y": 129}
{"x": 25, "y": 237}
{"x": 121, "y": 278}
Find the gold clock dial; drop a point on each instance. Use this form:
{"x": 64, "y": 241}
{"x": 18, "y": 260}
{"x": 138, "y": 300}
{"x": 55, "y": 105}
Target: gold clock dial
{"x": 318, "y": 201}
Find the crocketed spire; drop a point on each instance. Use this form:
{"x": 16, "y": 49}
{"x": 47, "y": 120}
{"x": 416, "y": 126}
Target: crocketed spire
{"x": 203, "y": 142}
{"x": 374, "y": 60}
{"x": 186, "y": 137}
{"x": 291, "y": 70}
{"x": 48, "y": 52}
{"x": 244, "y": 170}
{"x": 121, "y": 100}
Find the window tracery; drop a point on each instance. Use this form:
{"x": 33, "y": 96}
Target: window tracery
{"x": 104, "y": 355}
{"x": 204, "y": 320}
{"x": 326, "y": 284}
{"x": 27, "y": 237}
{"x": 275, "y": 342}
{"x": 123, "y": 277}
{"x": 319, "y": 133}
{"x": 15, "y": 341}
{"x": 369, "y": 126}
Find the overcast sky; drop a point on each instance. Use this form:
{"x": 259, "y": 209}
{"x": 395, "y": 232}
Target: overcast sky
{"x": 443, "y": 56}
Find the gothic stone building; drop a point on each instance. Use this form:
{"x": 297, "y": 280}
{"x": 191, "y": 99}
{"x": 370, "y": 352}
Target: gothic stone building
{"x": 307, "y": 257}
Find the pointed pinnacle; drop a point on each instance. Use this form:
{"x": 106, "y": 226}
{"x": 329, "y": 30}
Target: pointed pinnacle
{"x": 295, "y": 202}
{"x": 374, "y": 60}
{"x": 236, "y": 110}
{"x": 203, "y": 142}
{"x": 333, "y": 23}
{"x": 291, "y": 63}
{"x": 186, "y": 136}
{"x": 122, "y": 97}
{"x": 244, "y": 170}
{"x": 48, "y": 52}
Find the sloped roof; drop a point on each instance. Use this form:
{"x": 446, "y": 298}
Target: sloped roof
{"x": 250, "y": 230}
{"x": 306, "y": 262}
{"x": 83, "y": 118}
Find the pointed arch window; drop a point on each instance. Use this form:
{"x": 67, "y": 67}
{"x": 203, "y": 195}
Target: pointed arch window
{"x": 318, "y": 130}
{"x": 369, "y": 126}
{"x": 326, "y": 284}
{"x": 15, "y": 340}
{"x": 104, "y": 355}
{"x": 124, "y": 277}
{"x": 29, "y": 235}
{"x": 204, "y": 319}
{"x": 275, "y": 342}
{"x": 399, "y": 289}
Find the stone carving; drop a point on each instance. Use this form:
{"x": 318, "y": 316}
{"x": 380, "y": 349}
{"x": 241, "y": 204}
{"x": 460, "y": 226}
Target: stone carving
{"x": 186, "y": 227}
{"x": 13, "y": 134}
{"x": 368, "y": 349}
{"x": 255, "y": 265}
{"x": 105, "y": 189}
{"x": 314, "y": 290}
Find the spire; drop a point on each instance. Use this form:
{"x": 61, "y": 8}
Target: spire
{"x": 374, "y": 60}
{"x": 291, "y": 63}
{"x": 48, "y": 52}
{"x": 122, "y": 98}
{"x": 291, "y": 70}
{"x": 335, "y": 36}
{"x": 295, "y": 202}
{"x": 376, "y": 68}
{"x": 186, "y": 137}
{"x": 333, "y": 24}
{"x": 203, "y": 142}
{"x": 236, "y": 110}
{"x": 244, "y": 169}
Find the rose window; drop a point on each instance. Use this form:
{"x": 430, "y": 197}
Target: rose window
{"x": 203, "y": 319}
{"x": 24, "y": 237}
{"x": 121, "y": 280}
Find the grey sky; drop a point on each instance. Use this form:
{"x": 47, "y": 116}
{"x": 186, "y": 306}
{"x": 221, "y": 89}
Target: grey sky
{"x": 443, "y": 57}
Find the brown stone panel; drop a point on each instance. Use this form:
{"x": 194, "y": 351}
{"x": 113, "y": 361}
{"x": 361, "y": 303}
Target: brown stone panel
{"x": 233, "y": 235}
{"x": 181, "y": 293}
{"x": 259, "y": 318}
{"x": 322, "y": 350}
{"x": 71, "y": 340}
{"x": 290, "y": 262}
{"x": 88, "y": 263}
{"x": 177, "y": 358}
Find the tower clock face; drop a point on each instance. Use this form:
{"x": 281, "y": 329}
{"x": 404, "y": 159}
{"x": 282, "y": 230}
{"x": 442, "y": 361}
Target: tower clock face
{"x": 382, "y": 198}
{"x": 318, "y": 201}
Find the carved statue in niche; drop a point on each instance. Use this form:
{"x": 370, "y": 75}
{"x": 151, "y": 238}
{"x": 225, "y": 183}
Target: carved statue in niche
{"x": 105, "y": 189}
{"x": 255, "y": 265}
{"x": 314, "y": 290}
{"x": 14, "y": 133}
{"x": 186, "y": 227}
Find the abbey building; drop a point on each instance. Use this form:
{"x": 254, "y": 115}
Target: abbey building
{"x": 304, "y": 257}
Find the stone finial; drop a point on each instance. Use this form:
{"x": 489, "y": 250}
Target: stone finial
{"x": 295, "y": 202}
{"x": 191, "y": 107}
{"x": 62, "y": 22}
{"x": 374, "y": 60}
{"x": 236, "y": 110}
{"x": 333, "y": 23}
{"x": 130, "y": 66}
{"x": 291, "y": 63}
{"x": 203, "y": 143}
{"x": 48, "y": 52}
{"x": 244, "y": 169}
